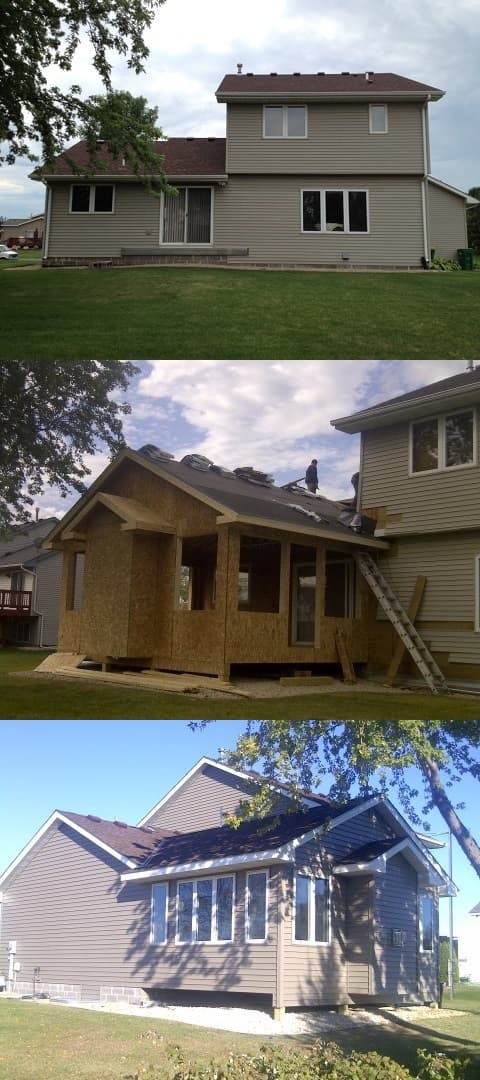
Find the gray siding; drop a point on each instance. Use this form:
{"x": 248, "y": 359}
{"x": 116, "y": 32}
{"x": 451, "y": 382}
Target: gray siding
{"x": 338, "y": 140}
{"x": 263, "y": 213}
{"x": 394, "y": 968}
{"x": 47, "y": 599}
{"x": 135, "y": 221}
{"x": 198, "y": 804}
{"x": 428, "y": 503}
{"x": 447, "y": 219}
{"x": 360, "y": 904}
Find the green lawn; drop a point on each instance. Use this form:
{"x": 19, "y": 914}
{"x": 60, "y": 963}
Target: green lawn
{"x": 31, "y": 697}
{"x": 44, "y": 1041}
{"x": 164, "y": 312}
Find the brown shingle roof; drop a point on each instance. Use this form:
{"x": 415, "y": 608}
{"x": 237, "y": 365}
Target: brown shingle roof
{"x": 465, "y": 380}
{"x": 131, "y": 841}
{"x": 321, "y": 83}
{"x": 183, "y": 157}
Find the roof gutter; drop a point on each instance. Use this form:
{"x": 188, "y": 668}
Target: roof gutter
{"x": 350, "y": 424}
{"x": 281, "y": 854}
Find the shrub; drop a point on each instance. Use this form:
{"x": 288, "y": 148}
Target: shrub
{"x": 445, "y": 264}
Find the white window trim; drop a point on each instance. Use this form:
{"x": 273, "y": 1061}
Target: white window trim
{"x": 185, "y": 243}
{"x": 442, "y": 444}
{"x": 477, "y": 594}
{"x": 377, "y": 105}
{"x": 266, "y": 875}
{"x": 91, "y": 210}
{"x": 214, "y": 940}
{"x": 284, "y": 109}
{"x": 164, "y": 885}
{"x": 311, "y": 909}
{"x": 346, "y": 215}
{"x": 421, "y": 898}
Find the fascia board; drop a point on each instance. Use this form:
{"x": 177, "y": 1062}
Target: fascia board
{"x": 403, "y": 825}
{"x": 383, "y": 415}
{"x": 57, "y": 816}
{"x": 364, "y": 96}
{"x": 130, "y": 178}
{"x": 332, "y": 823}
{"x": 258, "y": 858}
{"x": 305, "y": 530}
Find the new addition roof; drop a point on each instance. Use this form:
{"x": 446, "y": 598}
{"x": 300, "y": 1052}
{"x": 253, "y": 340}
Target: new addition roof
{"x": 183, "y": 158}
{"x": 235, "y": 499}
{"x": 455, "y": 391}
{"x": 370, "y": 85}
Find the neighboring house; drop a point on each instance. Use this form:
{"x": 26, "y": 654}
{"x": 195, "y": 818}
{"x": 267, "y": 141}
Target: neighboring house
{"x": 420, "y": 482}
{"x": 189, "y": 567}
{"x": 315, "y": 170}
{"x": 23, "y": 228}
{"x": 321, "y": 906}
{"x": 29, "y": 586}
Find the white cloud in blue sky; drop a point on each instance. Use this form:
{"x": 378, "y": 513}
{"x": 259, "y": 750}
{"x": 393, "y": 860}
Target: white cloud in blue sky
{"x": 193, "y": 45}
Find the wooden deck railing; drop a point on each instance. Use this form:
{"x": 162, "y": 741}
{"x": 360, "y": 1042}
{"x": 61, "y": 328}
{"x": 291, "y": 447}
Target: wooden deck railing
{"x": 15, "y": 602}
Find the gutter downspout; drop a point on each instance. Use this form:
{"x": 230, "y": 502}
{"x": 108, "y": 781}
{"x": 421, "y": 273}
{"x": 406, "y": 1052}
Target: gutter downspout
{"x": 48, "y": 214}
{"x": 426, "y": 170}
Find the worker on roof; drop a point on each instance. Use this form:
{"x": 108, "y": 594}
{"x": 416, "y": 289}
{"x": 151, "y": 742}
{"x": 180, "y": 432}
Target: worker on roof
{"x": 311, "y": 476}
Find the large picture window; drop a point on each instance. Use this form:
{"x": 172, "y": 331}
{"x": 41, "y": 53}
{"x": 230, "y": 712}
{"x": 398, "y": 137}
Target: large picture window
{"x": 91, "y": 198}
{"x": 312, "y": 904}
{"x": 443, "y": 442}
{"x": 285, "y": 121}
{"x": 256, "y": 906}
{"x": 187, "y": 216}
{"x": 205, "y": 910}
{"x": 334, "y": 210}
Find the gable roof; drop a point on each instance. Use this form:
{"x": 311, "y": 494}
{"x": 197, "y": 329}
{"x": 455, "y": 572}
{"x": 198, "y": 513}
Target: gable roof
{"x": 456, "y": 390}
{"x": 187, "y": 157}
{"x": 23, "y": 546}
{"x": 370, "y": 85}
{"x": 235, "y": 499}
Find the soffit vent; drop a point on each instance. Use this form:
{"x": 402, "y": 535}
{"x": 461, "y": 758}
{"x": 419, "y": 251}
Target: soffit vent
{"x": 197, "y": 461}
{"x": 254, "y": 476}
{"x": 156, "y": 453}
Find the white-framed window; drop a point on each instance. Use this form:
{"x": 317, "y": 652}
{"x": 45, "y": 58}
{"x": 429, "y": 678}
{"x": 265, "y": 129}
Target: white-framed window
{"x": 205, "y": 909}
{"x": 256, "y": 905}
{"x": 158, "y": 935}
{"x": 312, "y": 909}
{"x": 186, "y": 218}
{"x": 426, "y": 923}
{"x": 378, "y": 119}
{"x": 334, "y": 210}
{"x": 443, "y": 442}
{"x": 477, "y": 594}
{"x": 285, "y": 121}
{"x": 92, "y": 199}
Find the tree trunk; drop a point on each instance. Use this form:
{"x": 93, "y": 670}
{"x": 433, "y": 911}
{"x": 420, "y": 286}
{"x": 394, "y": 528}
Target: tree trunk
{"x": 441, "y": 801}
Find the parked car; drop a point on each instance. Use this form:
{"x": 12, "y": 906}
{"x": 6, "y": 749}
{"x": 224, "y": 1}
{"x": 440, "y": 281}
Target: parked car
{"x": 7, "y": 253}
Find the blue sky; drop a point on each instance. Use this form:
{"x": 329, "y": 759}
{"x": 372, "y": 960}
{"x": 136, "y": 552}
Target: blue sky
{"x": 122, "y": 768}
{"x": 272, "y": 414}
{"x": 193, "y": 45}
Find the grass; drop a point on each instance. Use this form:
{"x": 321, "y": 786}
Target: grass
{"x": 26, "y": 696}
{"x": 42, "y": 1040}
{"x": 26, "y": 257}
{"x": 191, "y": 313}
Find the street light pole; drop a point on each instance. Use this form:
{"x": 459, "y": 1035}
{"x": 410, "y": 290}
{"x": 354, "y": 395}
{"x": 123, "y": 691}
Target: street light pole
{"x": 450, "y": 919}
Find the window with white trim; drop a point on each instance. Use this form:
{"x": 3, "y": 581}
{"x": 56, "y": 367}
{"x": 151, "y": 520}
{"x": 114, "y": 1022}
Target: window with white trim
{"x": 285, "y": 121}
{"x": 187, "y": 216}
{"x": 159, "y": 914}
{"x": 256, "y": 906}
{"x": 427, "y": 910}
{"x": 335, "y": 210}
{"x": 91, "y": 198}
{"x": 205, "y": 910}
{"x": 312, "y": 909}
{"x": 477, "y": 594}
{"x": 378, "y": 120}
{"x": 443, "y": 442}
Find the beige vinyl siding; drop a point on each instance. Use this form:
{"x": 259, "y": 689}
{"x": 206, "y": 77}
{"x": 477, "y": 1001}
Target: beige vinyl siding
{"x": 197, "y": 803}
{"x": 359, "y": 901}
{"x": 447, "y": 219}
{"x": 47, "y": 598}
{"x": 338, "y": 139}
{"x": 431, "y": 502}
{"x": 394, "y": 973}
{"x": 264, "y": 214}
{"x": 134, "y": 221}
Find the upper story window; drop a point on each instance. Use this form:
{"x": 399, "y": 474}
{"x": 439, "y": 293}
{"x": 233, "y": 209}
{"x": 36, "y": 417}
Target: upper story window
{"x": 312, "y": 904}
{"x": 378, "y": 119}
{"x": 335, "y": 211}
{"x": 443, "y": 442}
{"x": 285, "y": 121}
{"x": 205, "y": 909}
{"x": 91, "y": 198}
{"x": 256, "y": 906}
{"x": 426, "y": 923}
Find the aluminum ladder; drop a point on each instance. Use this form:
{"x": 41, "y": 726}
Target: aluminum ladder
{"x": 401, "y": 623}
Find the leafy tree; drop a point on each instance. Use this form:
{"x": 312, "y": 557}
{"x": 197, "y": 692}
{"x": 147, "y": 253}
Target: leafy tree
{"x": 369, "y": 756}
{"x": 51, "y": 415}
{"x": 473, "y": 222}
{"x": 37, "y": 34}
{"x": 444, "y": 958}
{"x": 129, "y": 129}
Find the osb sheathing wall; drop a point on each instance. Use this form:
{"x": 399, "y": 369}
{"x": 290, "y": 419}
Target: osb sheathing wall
{"x": 70, "y": 621}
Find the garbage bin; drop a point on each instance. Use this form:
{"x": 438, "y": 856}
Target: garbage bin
{"x": 465, "y": 258}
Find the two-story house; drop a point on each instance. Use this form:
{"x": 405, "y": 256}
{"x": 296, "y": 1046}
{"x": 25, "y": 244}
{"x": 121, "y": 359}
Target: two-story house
{"x": 315, "y": 170}
{"x": 420, "y": 482}
{"x": 29, "y": 586}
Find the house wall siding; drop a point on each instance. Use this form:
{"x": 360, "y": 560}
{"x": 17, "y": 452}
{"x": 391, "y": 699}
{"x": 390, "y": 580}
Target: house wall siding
{"x": 49, "y": 574}
{"x": 338, "y": 140}
{"x": 448, "y": 224}
{"x": 135, "y": 221}
{"x": 196, "y": 805}
{"x": 394, "y": 973}
{"x": 263, "y": 213}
